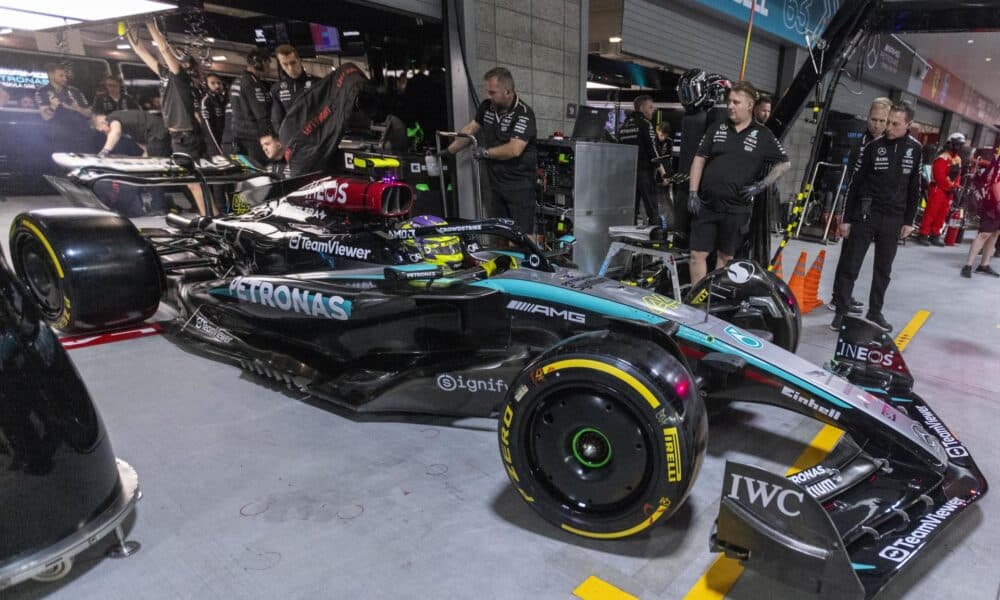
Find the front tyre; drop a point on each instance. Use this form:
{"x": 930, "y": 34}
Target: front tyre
{"x": 603, "y": 434}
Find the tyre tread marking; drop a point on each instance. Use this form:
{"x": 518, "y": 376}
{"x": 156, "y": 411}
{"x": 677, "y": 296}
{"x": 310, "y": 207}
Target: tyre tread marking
{"x": 623, "y": 533}
{"x": 583, "y": 363}
{"x": 52, "y": 253}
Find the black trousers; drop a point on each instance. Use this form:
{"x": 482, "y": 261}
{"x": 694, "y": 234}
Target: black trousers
{"x": 884, "y": 232}
{"x": 646, "y": 193}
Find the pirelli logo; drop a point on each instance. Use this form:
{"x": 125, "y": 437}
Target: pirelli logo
{"x": 673, "y": 444}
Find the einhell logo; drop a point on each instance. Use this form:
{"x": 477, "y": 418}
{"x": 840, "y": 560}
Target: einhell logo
{"x": 810, "y": 403}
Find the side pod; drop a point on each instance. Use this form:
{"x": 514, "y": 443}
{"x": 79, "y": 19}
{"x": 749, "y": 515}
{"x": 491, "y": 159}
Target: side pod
{"x": 773, "y": 526}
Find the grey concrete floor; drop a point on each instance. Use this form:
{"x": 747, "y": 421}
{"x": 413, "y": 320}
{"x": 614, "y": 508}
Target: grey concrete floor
{"x": 254, "y": 492}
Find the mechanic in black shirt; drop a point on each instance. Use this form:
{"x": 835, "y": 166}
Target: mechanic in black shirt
{"x": 881, "y": 204}
{"x": 639, "y": 130}
{"x": 213, "y": 113}
{"x": 113, "y": 98}
{"x": 722, "y": 187}
{"x": 143, "y": 127}
{"x": 275, "y": 153}
{"x": 179, "y": 94}
{"x": 292, "y": 82}
{"x": 66, "y": 109}
{"x": 507, "y": 149}
{"x": 248, "y": 115}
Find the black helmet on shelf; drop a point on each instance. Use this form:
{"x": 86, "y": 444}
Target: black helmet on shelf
{"x": 698, "y": 89}
{"x": 258, "y": 57}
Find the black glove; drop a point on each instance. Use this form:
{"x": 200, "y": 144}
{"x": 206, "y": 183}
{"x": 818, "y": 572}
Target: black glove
{"x": 480, "y": 153}
{"x": 694, "y": 203}
{"x": 747, "y": 193}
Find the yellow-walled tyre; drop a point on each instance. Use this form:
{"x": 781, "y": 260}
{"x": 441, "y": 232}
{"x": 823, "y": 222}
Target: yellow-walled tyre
{"x": 603, "y": 434}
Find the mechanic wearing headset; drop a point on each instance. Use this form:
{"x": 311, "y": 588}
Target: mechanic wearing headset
{"x": 248, "y": 115}
{"x": 722, "y": 187}
{"x": 945, "y": 179}
{"x": 638, "y": 130}
{"x": 508, "y": 148}
{"x": 213, "y": 113}
{"x": 881, "y": 204}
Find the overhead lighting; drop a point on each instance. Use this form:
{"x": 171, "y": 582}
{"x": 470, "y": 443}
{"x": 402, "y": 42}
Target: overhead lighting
{"x": 87, "y": 11}
{"x": 352, "y": 33}
{"x": 615, "y": 39}
{"x": 988, "y": 59}
{"x": 5, "y": 30}
{"x": 17, "y": 19}
{"x": 123, "y": 47}
{"x": 593, "y": 85}
{"x": 210, "y": 40}
{"x": 219, "y": 58}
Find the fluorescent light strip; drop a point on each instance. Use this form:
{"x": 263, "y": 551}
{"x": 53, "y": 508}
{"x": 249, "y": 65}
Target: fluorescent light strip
{"x": 31, "y": 21}
{"x": 88, "y": 11}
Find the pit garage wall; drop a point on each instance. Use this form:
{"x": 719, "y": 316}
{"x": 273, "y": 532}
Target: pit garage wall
{"x": 540, "y": 42}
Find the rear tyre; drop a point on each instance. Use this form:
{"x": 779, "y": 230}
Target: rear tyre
{"x": 603, "y": 434}
{"x": 87, "y": 269}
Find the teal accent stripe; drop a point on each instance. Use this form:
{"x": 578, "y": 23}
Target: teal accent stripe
{"x": 873, "y": 390}
{"x": 551, "y": 293}
{"x": 862, "y": 567}
{"x": 698, "y": 337}
{"x": 898, "y": 399}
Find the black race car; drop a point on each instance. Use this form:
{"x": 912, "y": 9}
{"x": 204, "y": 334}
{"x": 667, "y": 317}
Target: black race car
{"x": 599, "y": 388}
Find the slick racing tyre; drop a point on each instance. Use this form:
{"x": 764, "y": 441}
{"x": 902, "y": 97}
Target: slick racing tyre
{"x": 88, "y": 269}
{"x": 603, "y": 434}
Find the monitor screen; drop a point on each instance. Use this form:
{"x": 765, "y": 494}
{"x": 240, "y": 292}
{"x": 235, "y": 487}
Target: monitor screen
{"x": 325, "y": 38}
{"x": 590, "y": 123}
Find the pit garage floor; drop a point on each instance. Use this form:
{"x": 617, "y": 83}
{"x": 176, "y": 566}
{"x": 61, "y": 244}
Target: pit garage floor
{"x": 251, "y": 491}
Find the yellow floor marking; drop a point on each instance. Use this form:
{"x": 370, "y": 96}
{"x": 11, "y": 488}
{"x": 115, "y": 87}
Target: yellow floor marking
{"x": 722, "y": 575}
{"x": 595, "y": 588}
{"x": 918, "y": 320}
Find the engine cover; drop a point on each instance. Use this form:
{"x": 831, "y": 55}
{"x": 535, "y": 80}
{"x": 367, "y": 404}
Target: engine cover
{"x": 353, "y": 195}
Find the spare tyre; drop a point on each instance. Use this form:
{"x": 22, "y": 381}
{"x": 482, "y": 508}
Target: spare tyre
{"x": 88, "y": 269}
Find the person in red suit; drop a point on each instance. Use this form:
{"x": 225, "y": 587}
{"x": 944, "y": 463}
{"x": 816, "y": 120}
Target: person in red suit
{"x": 945, "y": 179}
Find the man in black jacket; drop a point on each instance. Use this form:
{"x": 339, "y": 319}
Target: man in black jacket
{"x": 639, "y": 131}
{"x": 881, "y": 204}
{"x": 213, "y": 113}
{"x": 113, "y": 98}
{"x": 248, "y": 115}
{"x": 292, "y": 81}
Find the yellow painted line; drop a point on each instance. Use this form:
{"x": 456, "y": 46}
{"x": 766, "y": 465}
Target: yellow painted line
{"x": 821, "y": 445}
{"x": 717, "y": 580}
{"x": 595, "y": 588}
{"x": 918, "y": 320}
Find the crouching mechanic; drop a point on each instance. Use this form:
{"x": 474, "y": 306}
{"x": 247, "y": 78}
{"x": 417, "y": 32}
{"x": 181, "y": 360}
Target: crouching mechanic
{"x": 146, "y": 129}
{"x": 722, "y": 185}
{"x": 508, "y": 148}
{"x": 881, "y": 204}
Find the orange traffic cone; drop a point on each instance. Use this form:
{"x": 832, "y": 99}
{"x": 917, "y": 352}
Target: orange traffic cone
{"x": 810, "y": 298}
{"x": 776, "y": 267}
{"x": 798, "y": 280}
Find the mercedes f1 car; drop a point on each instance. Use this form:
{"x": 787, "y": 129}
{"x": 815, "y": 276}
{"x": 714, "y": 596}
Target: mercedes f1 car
{"x": 599, "y": 388}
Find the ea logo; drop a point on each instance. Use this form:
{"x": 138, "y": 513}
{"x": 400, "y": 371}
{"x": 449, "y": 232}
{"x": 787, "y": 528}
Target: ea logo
{"x": 740, "y": 272}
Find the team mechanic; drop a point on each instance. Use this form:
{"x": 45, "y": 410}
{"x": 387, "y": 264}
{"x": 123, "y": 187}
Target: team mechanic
{"x": 945, "y": 179}
{"x": 722, "y": 186}
{"x": 507, "y": 148}
{"x": 248, "y": 114}
{"x": 293, "y": 81}
{"x": 881, "y": 204}
{"x": 639, "y": 131}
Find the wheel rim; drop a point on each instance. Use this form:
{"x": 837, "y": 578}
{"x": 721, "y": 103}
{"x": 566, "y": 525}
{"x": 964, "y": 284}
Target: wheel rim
{"x": 41, "y": 278}
{"x": 588, "y": 449}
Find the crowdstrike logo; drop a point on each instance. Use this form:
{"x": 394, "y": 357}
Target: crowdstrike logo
{"x": 810, "y": 403}
{"x": 548, "y": 311}
{"x": 904, "y": 548}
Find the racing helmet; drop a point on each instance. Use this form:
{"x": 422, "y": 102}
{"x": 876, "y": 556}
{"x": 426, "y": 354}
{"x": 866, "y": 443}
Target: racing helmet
{"x": 443, "y": 250}
{"x": 956, "y": 141}
{"x": 698, "y": 89}
{"x": 258, "y": 57}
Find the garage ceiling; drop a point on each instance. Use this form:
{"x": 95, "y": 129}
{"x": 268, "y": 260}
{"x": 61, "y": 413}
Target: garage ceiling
{"x": 954, "y": 52}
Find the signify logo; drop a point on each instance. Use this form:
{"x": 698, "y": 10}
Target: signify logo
{"x": 451, "y": 383}
{"x": 810, "y": 403}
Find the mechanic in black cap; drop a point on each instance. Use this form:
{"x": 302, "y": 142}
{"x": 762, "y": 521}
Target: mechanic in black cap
{"x": 639, "y": 130}
{"x": 881, "y": 204}
{"x": 722, "y": 185}
{"x": 292, "y": 82}
{"x": 248, "y": 115}
{"x": 179, "y": 81}
{"x": 508, "y": 148}
{"x": 143, "y": 127}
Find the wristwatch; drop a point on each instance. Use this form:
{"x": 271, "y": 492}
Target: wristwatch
{"x": 486, "y": 153}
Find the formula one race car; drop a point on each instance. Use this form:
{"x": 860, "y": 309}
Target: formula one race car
{"x": 61, "y": 488}
{"x": 599, "y": 388}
